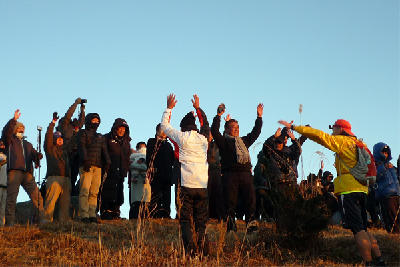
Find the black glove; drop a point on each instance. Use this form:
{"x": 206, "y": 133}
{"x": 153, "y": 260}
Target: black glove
{"x": 107, "y": 168}
{"x": 40, "y": 155}
{"x": 86, "y": 166}
{"x": 55, "y": 116}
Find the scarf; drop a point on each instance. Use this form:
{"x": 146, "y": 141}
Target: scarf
{"x": 242, "y": 153}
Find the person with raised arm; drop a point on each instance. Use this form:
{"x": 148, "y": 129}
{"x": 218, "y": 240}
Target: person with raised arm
{"x": 193, "y": 145}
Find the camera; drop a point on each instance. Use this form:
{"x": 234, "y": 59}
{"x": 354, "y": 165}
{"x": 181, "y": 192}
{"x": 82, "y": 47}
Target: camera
{"x": 221, "y": 108}
{"x": 83, "y": 101}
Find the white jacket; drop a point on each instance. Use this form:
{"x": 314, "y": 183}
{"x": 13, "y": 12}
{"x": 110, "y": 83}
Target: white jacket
{"x": 192, "y": 154}
{"x": 140, "y": 190}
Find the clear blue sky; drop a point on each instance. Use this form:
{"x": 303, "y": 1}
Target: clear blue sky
{"x": 339, "y": 59}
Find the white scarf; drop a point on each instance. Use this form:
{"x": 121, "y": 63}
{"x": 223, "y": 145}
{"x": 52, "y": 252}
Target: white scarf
{"x": 242, "y": 153}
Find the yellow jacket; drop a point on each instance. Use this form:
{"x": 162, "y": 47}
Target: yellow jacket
{"x": 345, "y": 146}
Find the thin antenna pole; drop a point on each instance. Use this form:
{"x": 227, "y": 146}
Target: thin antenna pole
{"x": 39, "y": 149}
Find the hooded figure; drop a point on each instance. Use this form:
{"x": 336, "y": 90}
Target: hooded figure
{"x": 387, "y": 189}
{"x": 119, "y": 149}
{"x": 93, "y": 157}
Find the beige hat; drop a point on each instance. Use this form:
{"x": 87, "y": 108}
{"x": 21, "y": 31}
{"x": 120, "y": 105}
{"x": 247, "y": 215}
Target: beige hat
{"x": 18, "y": 124}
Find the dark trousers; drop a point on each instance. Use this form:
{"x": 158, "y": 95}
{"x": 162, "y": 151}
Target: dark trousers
{"x": 389, "y": 207}
{"x": 215, "y": 195}
{"x": 136, "y": 208}
{"x": 74, "y": 165}
{"x": 109, "y": 210}
{"x": 160, "y": 199}
{"x": 264, "y": 207}
{"x": 238, "y": 184}
{"x": 194, "y": 212}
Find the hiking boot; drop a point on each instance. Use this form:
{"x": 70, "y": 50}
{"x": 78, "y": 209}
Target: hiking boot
{"x": 380, "y": 263}
{"x": 94, "y": 220}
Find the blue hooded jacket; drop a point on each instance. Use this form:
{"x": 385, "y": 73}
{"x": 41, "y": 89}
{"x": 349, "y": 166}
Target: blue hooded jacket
{"x": 387, "y": 183}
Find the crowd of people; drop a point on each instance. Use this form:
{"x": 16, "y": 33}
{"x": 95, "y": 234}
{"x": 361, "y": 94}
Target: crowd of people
{"x": 211, "y": 172}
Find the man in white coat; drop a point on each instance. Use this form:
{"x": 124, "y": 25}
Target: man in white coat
{"x": 193, "y": 145}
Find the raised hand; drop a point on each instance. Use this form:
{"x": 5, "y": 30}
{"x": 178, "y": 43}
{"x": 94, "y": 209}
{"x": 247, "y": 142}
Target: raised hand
{"x": 278, "y": 132}
{"x": 291, "y": 134}
{"x": 55, "y": 116}
{"x": 196, "y": 102}
{"x": 228, "y": 117}
{"x": 171, "y": 102}
{"x": 17, "y": 114}
{"x": 221, "y": 109}
{"x": 285, "y": 123}
{"x": 260, "y": 110}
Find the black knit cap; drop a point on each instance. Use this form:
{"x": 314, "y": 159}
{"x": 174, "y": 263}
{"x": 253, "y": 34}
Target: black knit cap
{"x": 188, "y": 122}
{"x": 326, "y": 175}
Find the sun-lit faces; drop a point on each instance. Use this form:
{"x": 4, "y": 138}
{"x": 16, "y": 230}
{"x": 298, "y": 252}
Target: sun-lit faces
{"x": 336, "y": 130}
{"x": 20, "y": 129}
{"x": 121, "y": 131}
{"x": 59, "y": 141}
{"x": 233, "y": 129}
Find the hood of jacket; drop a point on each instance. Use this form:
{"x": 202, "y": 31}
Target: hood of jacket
{"x": 18, "y": 124}
{"x": 120, "y": 123}
{"x": 379, "y": 157}
{"x": 88, "y": 120}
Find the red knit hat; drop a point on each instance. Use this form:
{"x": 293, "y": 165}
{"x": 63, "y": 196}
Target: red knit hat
{"x": 345, "y": 125}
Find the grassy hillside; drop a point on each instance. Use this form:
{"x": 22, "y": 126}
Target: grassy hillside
{"x": 157, "y": 242}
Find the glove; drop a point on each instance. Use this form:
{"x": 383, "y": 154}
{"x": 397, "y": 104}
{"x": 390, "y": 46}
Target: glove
{"x": 86, "y": 166}
{"x": 78, "y": 100}
{"x": 55, "y": 116}
{"x": 107, "y": 168}
{"x": 40, "y": 155}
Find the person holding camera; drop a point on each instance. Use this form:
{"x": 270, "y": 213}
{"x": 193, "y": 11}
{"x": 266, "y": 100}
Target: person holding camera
{"x": 93, "y": 156}
{"x": 58, "y": 184}
{"x": 21, "y": 155}
{"x": 237, "y": 179}
{"x": 119, "y": 149}
{"x": 69, "y": 128}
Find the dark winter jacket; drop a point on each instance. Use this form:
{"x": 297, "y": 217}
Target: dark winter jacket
{"x": 20, "y": 153}
{"x": 280, "y": 165}
{"x": 387, "y": 183}
{"x": 213, "y": 157}
{"x": 119, "y": 150}
{"x": 163, "y": 160}
{"x": 56, "y": 156}
{"x": 260, "y": 177}
{"x": 227, "y": 147}
{"x": 91, "y": 145}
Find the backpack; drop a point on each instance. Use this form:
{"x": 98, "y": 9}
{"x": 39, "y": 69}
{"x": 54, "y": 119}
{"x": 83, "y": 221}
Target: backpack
{"x": 365, "y": 169}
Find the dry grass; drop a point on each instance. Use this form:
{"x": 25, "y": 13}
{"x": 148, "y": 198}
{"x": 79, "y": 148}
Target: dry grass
{"x": 118, "y": 243}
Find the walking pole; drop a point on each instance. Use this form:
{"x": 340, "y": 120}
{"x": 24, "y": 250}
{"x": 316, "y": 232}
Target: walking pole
{"x": 39, "y": 149}
{"x": 397, "y": 215}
